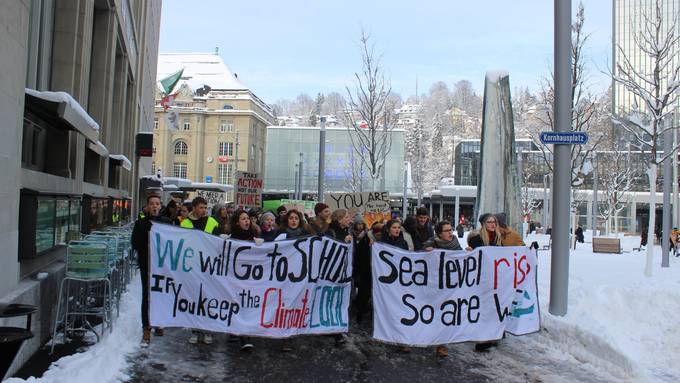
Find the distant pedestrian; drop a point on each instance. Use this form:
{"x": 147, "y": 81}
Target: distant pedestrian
{"x": 579, "y": 234}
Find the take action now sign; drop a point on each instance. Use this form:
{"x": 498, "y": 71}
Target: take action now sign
{"x": 564, "y": 138}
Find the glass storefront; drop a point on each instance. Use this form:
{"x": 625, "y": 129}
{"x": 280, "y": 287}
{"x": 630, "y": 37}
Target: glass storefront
{"x": 57, "y": 220}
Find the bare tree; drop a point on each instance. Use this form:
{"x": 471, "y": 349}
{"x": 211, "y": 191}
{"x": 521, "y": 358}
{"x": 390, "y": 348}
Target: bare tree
{"x": 583, "y": 106}
{"x": 371, "y": 133}
{"x": 617, "y": 180}
{"x": 655, "y": 86}
{"x": 529, "y": 197}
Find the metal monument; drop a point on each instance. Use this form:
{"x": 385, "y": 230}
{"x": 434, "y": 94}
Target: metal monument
{"x": 498, "y": 183}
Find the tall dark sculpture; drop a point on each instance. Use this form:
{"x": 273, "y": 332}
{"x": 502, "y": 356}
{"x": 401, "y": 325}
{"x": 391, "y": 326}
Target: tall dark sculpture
{"x": 498, "y": 183}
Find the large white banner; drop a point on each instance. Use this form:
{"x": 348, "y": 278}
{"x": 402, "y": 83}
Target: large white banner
{"x": 275, "y": 289}
{"x": 441, "y": 296}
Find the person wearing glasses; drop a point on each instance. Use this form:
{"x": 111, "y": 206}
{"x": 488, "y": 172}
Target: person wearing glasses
{"x": 443, "y": 239}
{"x": 487, "y": 234}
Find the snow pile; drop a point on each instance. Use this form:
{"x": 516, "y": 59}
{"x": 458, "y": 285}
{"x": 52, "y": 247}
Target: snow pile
{"x": 618, "y": 321}
{"x": 105, "y": 361}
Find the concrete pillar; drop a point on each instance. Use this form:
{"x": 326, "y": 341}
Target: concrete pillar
{"x": 13, "y": 56}
{"x": 103, "y": 66}
{"x": 66, "y": 17}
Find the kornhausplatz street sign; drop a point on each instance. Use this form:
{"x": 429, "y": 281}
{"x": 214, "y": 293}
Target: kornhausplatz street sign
{"x": 564, "y": 138}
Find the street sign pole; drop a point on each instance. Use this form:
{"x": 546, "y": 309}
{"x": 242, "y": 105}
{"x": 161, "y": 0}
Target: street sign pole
{"x": 559, "y": 270}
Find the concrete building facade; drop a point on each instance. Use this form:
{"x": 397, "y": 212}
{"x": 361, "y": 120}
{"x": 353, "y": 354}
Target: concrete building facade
{"x": 74, "y": 91}
{"x": 221, "y": 127}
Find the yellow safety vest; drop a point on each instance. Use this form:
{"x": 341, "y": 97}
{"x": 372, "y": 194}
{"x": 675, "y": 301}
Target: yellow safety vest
{"x": 209, "y": 226}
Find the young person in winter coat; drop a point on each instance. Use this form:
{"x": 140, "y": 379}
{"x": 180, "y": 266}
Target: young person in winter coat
{"x": 268, "y": 228}
{"x": 509, "y": 237}
{"x": 443, "y": 237}
{"x": 241, "y": 228}
{"x": 140, "y": 242}
{"x": 392, "y": 235}
{"x": 322, "y": 219}
{"x": 361, "y": 267}
{"x": 424, "y": 230}
{"x": 487, "y": 235}
{"x": 339, "y": 227}
{"x": 294, "y": 225}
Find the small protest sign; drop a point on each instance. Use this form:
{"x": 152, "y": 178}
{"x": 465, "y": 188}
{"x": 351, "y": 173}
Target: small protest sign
{"x": 248, "y": 190}
{"x": 304, "y": 206}
{"x": 212, "y": 197}
{"x": 374, "y": 206}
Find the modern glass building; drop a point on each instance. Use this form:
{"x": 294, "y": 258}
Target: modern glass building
{"x": 344, "y": 171}
{"x": 627, "y": 19}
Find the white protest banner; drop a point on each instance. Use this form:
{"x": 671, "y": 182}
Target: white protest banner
{"x": 212, "y": 197}
{"x": 276, "y": 289}
{"x": 248, "y": 190}
{"x": 441, "y": 296}
{"x": 374, "y": 206}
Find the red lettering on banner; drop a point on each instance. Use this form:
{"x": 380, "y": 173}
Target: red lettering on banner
{"x": 520, "y": 268}
{"x": 285, "y": 317}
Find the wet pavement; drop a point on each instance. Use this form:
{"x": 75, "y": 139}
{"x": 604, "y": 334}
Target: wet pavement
{"x": 316, "y": 359}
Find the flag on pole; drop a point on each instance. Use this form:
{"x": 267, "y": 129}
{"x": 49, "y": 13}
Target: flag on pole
{"x": 169, "y": 82}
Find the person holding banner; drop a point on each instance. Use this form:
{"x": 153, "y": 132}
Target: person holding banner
{"x": 339, "y": 226}
{"x": 487, "y": 234}
{"x": 268, "y": 230}
{"x": 323, "y": 218}
{"x": 361, "y": 267}
{"x": 294, "y": 225}
{"x": 443, "y": 239}
{"x": 392, "y": 235}
{"x": 140, "y": 242}
{"x": 509, "y": 237}
{"x": 200, "y": 220}
{"x": 241, "y": 227}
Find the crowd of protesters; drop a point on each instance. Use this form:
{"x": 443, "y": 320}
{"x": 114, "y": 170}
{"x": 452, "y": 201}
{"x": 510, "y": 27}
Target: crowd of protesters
{"x": 414, "y": 233}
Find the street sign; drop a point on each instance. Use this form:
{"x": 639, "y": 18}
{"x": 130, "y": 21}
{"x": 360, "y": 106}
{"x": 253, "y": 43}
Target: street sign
{"x": 564, "y": 138}
{"x": 208, "y": 179}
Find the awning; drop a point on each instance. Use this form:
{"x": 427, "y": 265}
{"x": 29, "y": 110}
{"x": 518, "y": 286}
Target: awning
{"x": 63, "y": 107}
{"x": 179, "y": 182}
{"x": 122, "y": 160}
{"x": 98, "y": 148}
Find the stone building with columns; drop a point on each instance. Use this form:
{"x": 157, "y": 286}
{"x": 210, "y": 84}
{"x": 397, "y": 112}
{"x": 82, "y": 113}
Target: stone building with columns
{"x": 76, "y": 85}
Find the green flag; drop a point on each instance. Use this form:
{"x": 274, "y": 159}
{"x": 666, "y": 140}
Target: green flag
{"x": 169, "y": 82}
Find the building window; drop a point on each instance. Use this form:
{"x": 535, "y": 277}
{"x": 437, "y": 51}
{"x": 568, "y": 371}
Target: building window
{"x": 186, "y": 125}
{"x": 153, "y": 168}
{"x": 226, "y": 126}
{"x": 154, "y": 150}
{"x": 181, "y": 148}
{"x": 252, "y": 152}
{"x": 155, "y": 123}
{"x": 226, "y": 149}
{"x": 179, "y": 169}
{"x": 224, "y": 172}
{"x": 40, "y": 37}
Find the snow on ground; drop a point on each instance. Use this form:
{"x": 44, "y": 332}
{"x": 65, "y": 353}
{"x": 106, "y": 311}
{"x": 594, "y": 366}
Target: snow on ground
{"x": 618, "y": 320}
{"x": 106, "y": 360}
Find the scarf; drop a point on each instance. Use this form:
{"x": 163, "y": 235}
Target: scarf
{"x": 448, "y": 245}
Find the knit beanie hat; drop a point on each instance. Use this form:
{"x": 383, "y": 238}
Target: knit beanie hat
{"x": 319, "y": 207}
{"x": 484, "y": 217}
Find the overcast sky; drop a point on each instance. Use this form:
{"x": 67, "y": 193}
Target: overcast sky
{"x": 282, "y": 48}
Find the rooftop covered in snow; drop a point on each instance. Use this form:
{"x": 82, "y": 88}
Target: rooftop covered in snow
{"x": 199, "y": 69}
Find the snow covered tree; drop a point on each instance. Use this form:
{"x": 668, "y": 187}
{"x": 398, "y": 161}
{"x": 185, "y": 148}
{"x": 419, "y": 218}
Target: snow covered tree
{"x": 617, "y": 178}
{"x": 583, "y": 106}
{"x": 415, "y": 142}
{"x": 530, "y": 199}
{"x": 333, "y": 104}
{"x": 371, "y": 133}
{"x": 655, "y": 88}
{"x": 437, "y": 165}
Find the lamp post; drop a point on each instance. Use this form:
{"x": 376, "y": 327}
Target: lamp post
{"x": 322, "y": 158}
